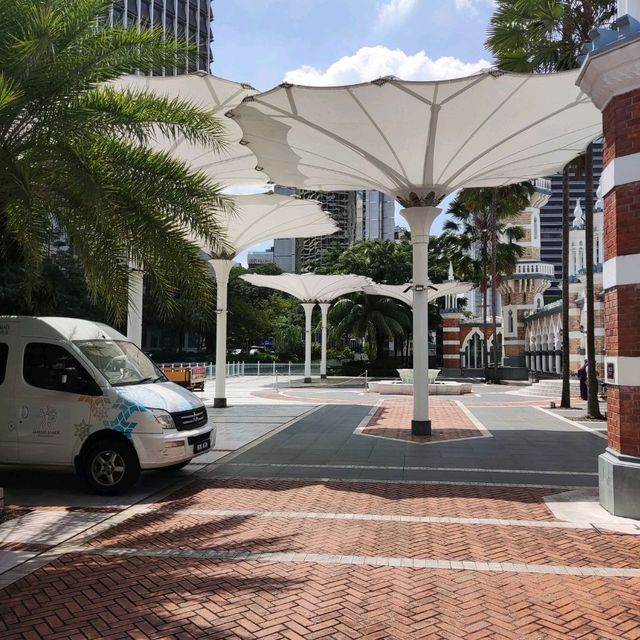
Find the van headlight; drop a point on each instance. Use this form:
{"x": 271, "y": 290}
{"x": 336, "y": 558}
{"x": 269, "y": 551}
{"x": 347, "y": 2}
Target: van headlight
{"x": 164, "y": 418}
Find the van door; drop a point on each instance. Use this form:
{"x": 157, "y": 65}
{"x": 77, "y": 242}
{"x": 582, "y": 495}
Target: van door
{"x": 8, "y": 432}
{"x": 51, "y": 396}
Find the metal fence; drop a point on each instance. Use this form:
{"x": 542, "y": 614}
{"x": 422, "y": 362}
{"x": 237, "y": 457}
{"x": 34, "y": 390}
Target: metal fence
{"x": 241, "y": 369}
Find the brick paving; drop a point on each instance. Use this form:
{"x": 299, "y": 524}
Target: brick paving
{"x": 444, "y": 541}
{"x": 448, "y": 421}
{"x": 134, "y": 597}
{"x": 275, "y": 559}
{"x": 365, "y": 497}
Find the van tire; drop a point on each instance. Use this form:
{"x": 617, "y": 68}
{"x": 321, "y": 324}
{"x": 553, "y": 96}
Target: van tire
{"x": 110, "y": 466}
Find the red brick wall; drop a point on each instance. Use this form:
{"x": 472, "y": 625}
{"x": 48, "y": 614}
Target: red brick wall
{"x": 621, "y": 125}
{"x": 621, "y": 121}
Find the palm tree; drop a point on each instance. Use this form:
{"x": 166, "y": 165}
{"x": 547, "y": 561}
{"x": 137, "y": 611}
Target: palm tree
{"x": 483, "y": 243}
{"x": 529, "y": 36}
{"x": 76, "y": 156}
{"x": 373, "y": 318}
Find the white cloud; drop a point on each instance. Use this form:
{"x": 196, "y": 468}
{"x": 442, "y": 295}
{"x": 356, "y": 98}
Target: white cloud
{"x": 370, "y": 63}
{"x": 393, "y": 11}
{"x": 472, "y": 5}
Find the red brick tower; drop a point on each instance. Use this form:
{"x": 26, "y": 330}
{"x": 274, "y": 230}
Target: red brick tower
{"x": 611, "y": 76}
{"x": 451, "y": 317}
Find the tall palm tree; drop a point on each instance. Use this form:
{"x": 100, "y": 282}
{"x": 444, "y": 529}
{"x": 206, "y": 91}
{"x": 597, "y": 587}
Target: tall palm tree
{"x": 373, "y": 318}
{"x": 76, "y": 155}
{"x": 540, "y": 36}
{"x": 483, "y": 243}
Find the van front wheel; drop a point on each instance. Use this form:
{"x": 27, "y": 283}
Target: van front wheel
{"x": 111, "y": 467}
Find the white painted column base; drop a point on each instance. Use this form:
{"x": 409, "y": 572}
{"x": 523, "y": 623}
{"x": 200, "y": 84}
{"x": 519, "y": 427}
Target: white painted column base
{"x": 324, "y": 310}
{"x": 420, "y": 220}
{"x": 222, "y": 269}
{"x": 308, "y": 310}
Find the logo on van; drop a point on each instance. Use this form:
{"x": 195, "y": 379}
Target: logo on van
{"x": 122, "y": 422}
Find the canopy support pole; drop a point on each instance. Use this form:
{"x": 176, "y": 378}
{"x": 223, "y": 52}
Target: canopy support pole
{"x": 324, "y": 310}
{"x": 134, "y": 311}
{"x": 222, "y": 268}
{"x": 308, "y": 310}
{"x": 420, "y": 220}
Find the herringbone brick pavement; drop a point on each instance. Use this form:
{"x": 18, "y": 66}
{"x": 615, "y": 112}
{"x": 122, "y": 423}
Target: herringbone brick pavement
{"x": 442, "y": 541}
{"x": 522, "y": 503}
{"x": 448, "y": 421}
{"x": 135, "y": 597}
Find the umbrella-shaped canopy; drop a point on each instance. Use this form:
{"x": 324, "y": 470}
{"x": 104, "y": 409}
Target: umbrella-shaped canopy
{"x": 257, "y": 218}
{"x": 309, "y": 287}
{"x": 404, "y": 292}
{"x": 419, "y": 141}
{"x": 236, "y": 165}
{"x": 266, "y": 216}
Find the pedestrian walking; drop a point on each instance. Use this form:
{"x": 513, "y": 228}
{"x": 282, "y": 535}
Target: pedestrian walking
{"x": 582, "y": 376}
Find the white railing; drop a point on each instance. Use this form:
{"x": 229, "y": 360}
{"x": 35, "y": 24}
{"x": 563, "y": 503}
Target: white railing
{"x": 543, "y": 268}
{"x": 542, "y": 184}
{"x": 241, "y": 369}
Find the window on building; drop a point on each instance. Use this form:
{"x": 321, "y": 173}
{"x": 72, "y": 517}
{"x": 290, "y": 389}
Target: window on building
{"x": 511, "y": 321}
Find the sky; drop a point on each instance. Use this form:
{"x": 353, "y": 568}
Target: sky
{"x": 334, "y": 42}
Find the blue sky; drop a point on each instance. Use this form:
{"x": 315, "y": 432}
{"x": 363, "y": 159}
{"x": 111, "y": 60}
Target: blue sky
{"x": 264, "y": 42}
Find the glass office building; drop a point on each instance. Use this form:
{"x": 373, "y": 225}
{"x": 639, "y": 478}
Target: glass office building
{"x": 188, "y": 20}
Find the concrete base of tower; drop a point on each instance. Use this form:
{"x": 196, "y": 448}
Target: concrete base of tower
{"x": 421, "y": 427}
{"x": 620, "y": 484}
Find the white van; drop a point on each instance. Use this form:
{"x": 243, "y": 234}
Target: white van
{"x": 79, "y": 394}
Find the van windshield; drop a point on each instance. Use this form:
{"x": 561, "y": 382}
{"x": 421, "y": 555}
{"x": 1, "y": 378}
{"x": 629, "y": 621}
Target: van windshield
{"x": 120, "y": 362}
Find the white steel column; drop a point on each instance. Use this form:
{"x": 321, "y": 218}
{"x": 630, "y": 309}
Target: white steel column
{"x": 324, "y": 310}
{"x": 134, "y": 312}
{"x": 420, "y": 220}
{"x": 222, "y": 269}
{"x": 308, "y": 310}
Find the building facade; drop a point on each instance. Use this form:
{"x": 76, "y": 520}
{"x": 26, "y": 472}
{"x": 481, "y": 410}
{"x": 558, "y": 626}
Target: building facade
{"x": 359, "y": 215}
{"x": 551, "y": 216}
{"x": 188, "y": 20}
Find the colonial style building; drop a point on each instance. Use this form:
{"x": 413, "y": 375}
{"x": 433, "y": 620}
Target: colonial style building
{"x": 529, "y": 334}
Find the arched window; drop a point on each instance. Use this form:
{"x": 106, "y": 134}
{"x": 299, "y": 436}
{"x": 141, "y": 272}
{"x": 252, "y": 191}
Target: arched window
{"x": 534, "y": 227}
{"x": 510, "y": 321}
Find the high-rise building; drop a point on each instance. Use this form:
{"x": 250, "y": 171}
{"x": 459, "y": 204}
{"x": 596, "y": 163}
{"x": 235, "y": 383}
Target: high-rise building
{"x": 188, "y": 20}
{"x": 551, "y": 215}
{"x": 360, "y": 215}
{"x": 344, "y": 208}
{"x": 379, "y": 216}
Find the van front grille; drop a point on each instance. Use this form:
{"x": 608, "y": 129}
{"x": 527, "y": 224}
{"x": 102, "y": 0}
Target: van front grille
{"x": 191, "y": 419}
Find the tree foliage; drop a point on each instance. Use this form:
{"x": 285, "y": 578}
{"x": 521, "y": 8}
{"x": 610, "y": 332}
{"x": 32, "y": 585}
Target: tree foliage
{"x": 544, "y": 35}
{"x": 373, "y": 318}
{"x": 77, "y": 156}
{"x": 467, "y": 234}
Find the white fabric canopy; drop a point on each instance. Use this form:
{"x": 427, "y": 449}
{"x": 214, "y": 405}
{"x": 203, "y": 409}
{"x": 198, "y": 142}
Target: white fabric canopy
{"x": 404, "y": 292}
{"x": 309, "y": 287}
{"x": 266, "y": 216}
{"x": 236, "y": 165}
{"x": 409, "y": 139}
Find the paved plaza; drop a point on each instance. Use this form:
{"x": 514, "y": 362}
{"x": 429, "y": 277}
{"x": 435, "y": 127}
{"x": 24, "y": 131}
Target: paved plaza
{"x": 318, "y": 517}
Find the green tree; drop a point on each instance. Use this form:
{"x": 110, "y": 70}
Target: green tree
{"x": 76, "y": 154}
{"x": 482, "y": 241}
{"x": 370, "y": 317}
{"x": 384, "y": 261}
{"x": 540, "y": 36}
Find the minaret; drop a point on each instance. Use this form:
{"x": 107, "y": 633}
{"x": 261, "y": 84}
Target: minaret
{"x": 522, "y": 291}
{"x": 451, "y": 317}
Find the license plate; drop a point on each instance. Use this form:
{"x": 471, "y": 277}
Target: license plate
{"x": 201, "y": 446}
